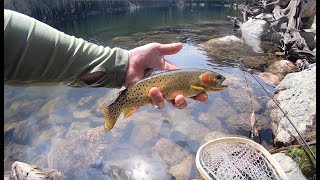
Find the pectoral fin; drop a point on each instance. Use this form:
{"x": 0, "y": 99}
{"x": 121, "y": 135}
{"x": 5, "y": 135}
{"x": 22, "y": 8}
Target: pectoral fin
{"x": 129, "y": 111}
{"x": 197, "y": 88}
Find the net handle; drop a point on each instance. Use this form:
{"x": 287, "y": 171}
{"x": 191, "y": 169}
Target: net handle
{"x": 266, "y": 153}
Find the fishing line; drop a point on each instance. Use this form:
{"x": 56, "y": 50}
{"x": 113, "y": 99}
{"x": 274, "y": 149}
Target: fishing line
{"x": 304, "y": 141}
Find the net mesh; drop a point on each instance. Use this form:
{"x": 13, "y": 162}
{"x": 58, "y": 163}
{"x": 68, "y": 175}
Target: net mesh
{"x": 236, "y": 160}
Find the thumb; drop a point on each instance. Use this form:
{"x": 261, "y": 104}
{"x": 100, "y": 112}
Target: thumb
{"x": 168, "y": 49}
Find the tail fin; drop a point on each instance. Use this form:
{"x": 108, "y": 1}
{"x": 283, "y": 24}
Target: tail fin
{"x": 111, "y": 113}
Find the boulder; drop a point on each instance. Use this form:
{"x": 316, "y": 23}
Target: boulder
{"x": 24, "y": 171}
{"x": 269, "y": 78}
{"x": 170, "y": 152}
{"x": 186, "y": 131}
{"x": 217, "y": 134}
{"x": 282, "y": 68}
{"x": 183, "y": 170}
{"x": 296, "y": 95}
{"x": 288, "y": 165}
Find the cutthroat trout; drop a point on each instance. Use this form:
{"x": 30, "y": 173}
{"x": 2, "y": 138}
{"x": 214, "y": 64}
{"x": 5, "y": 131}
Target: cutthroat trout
{"x": 188, "y": 82}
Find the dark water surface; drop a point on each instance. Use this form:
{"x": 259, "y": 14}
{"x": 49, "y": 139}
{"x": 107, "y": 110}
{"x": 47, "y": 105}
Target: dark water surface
{"x": 36, "y": 116}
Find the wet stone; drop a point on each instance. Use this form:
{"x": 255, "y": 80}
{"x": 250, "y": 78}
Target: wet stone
{"x": 82, "y": 114}
{"x": 23, "y": 133}
{"x": 209, "y": 121}
{"x": 77, "y": 128}
{"x": 185, "y": 131}
{"x": 170, "y": 152}
{"x": 49, "y": 107}
{"x": 269, "y": 78}
{"x": 72, "y": 154}
{"x": 217, "y": 134}
{"x": 241, "y": 122}
{"x": 40, "y": 160}
{"x": 45, "y": 134}
{"x": 184, "y": 169}
{"x": 146, "y": 129}
{"x": 282, "y": 68}
{"x": 12, "y": 149}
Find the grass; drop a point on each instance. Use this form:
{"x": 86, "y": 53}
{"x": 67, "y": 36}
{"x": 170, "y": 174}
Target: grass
{"x": 305, "y": 162}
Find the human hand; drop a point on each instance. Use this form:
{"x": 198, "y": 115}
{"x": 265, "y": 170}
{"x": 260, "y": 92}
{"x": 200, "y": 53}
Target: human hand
{"x": 152, "y": 56}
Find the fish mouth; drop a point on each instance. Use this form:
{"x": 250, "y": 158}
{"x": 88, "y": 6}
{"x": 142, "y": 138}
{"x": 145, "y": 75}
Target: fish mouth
{"x": 221, "y": 87}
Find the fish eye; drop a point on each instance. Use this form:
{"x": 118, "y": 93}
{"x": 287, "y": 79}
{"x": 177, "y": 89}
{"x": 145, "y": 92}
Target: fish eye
{"x": 219, "y": 77}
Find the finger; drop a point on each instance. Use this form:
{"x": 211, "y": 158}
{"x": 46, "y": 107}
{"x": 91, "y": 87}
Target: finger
{"x": 169, "y": 49}
{"x": 180, "y": 102}
{"x": 201, "y": 97}
{"x": 168, "y": 66}
{"x": 156, "y": 97}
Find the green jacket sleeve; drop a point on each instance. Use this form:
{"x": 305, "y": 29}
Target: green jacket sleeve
{"x": 38, "y": 54}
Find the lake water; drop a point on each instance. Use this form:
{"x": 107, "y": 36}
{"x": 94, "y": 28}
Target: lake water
{"x": 35, "y": 117}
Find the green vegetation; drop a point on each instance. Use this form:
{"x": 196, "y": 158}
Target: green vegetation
{"x": 305, "y": 162}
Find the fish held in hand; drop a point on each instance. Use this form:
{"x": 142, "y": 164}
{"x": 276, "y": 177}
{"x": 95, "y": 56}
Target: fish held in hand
{"x": 188, "y": 82}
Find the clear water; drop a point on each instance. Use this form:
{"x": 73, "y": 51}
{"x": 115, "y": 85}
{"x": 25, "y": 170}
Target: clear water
{"x": 35, "y": 117}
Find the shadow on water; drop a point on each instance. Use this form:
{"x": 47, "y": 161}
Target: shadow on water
{"x": 35, "y": 117}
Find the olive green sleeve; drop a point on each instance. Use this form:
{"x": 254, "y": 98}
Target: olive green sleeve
{"x": 36, "y": 53}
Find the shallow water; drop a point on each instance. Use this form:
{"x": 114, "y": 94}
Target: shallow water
{"x": 35, "y": 117}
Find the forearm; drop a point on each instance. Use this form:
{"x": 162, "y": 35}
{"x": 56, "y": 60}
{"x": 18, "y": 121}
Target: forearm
{"x": 37, "y": 53}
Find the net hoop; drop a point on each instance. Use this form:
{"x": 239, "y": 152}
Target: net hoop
{"x": 249, "y": 142}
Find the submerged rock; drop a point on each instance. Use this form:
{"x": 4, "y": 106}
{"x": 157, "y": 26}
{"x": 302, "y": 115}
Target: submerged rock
{"x": 77, "y": 128}
{"x": 185, "y": 131}
{"x": 183, "y": 170}
{"x": 241, "y": 122}
{"x": 234, "y": 51}
{"x": 296, "y": 95}
{"x": 146, "y": 129}
{"x": 269, "y": 78}
{"x": 217, "y": 134}
{"x": 71, "y": 154}
{"x": 170, "y": 152}
{"x": 48, "y": 107}
{"x": 282, "y": 68}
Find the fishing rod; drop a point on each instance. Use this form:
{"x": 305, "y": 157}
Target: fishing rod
{"x": 304, "y": 141}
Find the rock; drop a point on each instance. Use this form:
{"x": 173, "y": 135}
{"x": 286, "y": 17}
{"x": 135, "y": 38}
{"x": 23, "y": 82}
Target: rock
{"x": 22, "y": 110}
{"x": 282, "y": 68}
{"x": 209, "y": 121}
{"x": 185, "y": 130}
{"x": 296, "y": 95}
{"x": 240, "y": 99}
{"x": 82, "y": 114}
{"x": 170, "y": 152}
{"x": 40, "y": 160}
{"x": 251, "y": 31}
{"x": 85, "y": 100}
{"x": 13, "y": 149}
{"x": 242, "y": 122}
{"x": 48, "y": 107}
{"x": 45, "y": 134}
{"x": 77, "y": 128}
{"x": 230, "y": 39}
{"x": 217, "y": 134}
{"x": 9, "y": 129}
{"x": 221, "y": 109}
{"x": 23, "y": 132}
{"x": 72, "y": 154}
{"x": 7, "y": 175}
{"x": 183, "y": 171}
{"x": 22, "y": 170}
{"x": 233, "y": 52}
{"x": 146, "y": 129}
{"x": 288, "y": 165}
{"x": 269, "y": 78}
